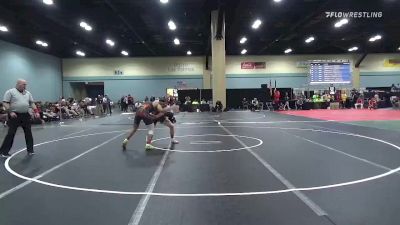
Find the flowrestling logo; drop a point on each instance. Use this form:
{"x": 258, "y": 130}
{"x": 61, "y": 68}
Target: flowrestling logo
{"x": 354, "y": 14}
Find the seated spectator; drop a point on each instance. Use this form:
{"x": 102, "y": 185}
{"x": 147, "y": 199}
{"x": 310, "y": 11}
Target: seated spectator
{"x": 255, "y": 105}
{"x": 287, "y": 99}
{"x": 300, "y": 102}
{"x": 35, "y": 120}
{"x": 218, "y": 106}
{"x": 395, "y": 101}
{"x": 372, "y": 104}
{"x": 359, "y": 103}
{"x": 393, "y": 88}
{"x": 3, "y": 115}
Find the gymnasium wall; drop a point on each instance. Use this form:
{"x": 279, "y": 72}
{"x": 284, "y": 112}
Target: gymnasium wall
{"x": 284, "y": 69}
{"x": 375, "y": 72}
{"x": 42, "y": 71}
{"x": 140, "y": 76}
{"x": 151, "y": 76}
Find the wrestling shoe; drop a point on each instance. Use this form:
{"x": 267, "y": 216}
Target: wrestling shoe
{"x": 174, "y": 141}
{"x": 149, "y": 147}
{"x": 124, "y": 144}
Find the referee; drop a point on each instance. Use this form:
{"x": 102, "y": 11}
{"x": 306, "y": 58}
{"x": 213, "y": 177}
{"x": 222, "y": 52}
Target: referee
{"x": 16, "y": 102}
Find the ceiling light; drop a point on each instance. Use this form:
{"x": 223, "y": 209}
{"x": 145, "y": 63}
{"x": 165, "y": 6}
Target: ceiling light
{"x": 243, "y": 40}
{"x": 189, "y": 53}
{"x": 341, "y": 22}
{"x": 244, "y": 51}
{"x": 171, "y": 25}
{"x": 80, "y": 53}
{"x": 110, "y": 42}
{"x": 3, "y": 28}
{"x": 125, "y": 53}
{"x": 398, "y": 49}
{"x": 352, "y": 49}
{"x": 164, "y": 1}
{"x": 277, "y": 0}
{"x": 176, "y": 41}
{"x": 287, "y": 51}
{"x": 42, "y": 43}
{"x": 85, "y": 26}
{"x": 256, "y": 24}
{"x": 310, "y": 39}
{"x": 374, "y": 38}
{"x": 48, "y": 2}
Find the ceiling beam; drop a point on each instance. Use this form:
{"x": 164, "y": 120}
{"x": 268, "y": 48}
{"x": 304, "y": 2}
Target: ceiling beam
{"x": 359, "y": 61}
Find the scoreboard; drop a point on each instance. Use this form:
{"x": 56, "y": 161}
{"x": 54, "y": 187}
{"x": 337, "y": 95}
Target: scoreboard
{"x": 330, "y": 72}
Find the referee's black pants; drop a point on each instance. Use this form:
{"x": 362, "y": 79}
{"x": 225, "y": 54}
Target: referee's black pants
{"x": 23, "y": 120}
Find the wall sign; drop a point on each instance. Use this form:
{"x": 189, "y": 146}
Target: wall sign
{"x": 118, "y": 72}
{"x": 391, "y": 63}
{"x": 181, "y": 67}
{"x": 252, "y": 65}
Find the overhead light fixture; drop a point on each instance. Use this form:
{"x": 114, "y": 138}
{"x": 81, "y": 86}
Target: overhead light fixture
{"x": 244, "y": 51}
{"x": 164, "y": 1}
{"x": 41, "y": 43}
{"x": 80, "y": 53}
{"x": 176, "y": 41}
{"x": 85, "y": 26}
{"x": 341, "y": 23}
{"x": 398, "y": 49}
{"x": 277, "y": 0}
{"x": 256, "y": 24}
{"x": 48, "y": 2}
{"x": 110, "y": 42}
{"x": 125, "y": 53}
{"x": 352, "y": 49}
{"x": 310, "y": 39}
{"x": 3, "y": 28}
{"x": 189, "y": 52}
{"x": 243, "y": 40}
{"x": 171, "y": 25}
{"x": 374, "y": 38}
{"x": 287, "y": 51}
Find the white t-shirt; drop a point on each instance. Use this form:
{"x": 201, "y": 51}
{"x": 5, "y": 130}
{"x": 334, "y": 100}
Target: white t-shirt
{"x": 19, "y": 102}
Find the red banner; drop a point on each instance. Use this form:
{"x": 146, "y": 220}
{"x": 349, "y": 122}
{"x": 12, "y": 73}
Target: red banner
{"x": 247, "y": 65}
{"x": 252, "y": 65}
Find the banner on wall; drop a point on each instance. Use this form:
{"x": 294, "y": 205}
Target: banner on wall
{"x": 391, "y": 63}
{"x": 252, "y": 65}
{"x": 181, "y": 67}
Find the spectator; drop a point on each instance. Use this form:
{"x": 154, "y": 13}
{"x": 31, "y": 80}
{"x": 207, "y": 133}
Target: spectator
{"x": 395, "y": 101}
{"x": 3, "y": 115}
{"x": 218, "y": 106}
{"x": 359, "y": 102}
{"x": 277, "y": 98}
{"x": 245, "y": 104}
{"x": 254, "y": 105}
{"x": 287, "y": 99}
{"x": 372, "y": 103}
